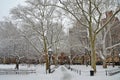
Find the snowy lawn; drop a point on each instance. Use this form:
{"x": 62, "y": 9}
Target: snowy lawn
{"x": 61, "y": 73}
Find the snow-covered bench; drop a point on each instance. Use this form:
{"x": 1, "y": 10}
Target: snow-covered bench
{"x": 113, "y": 71}
{"x": 14, "y": 71}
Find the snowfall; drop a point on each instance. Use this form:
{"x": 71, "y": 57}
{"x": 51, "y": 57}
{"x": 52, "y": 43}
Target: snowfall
{"x": 60, "y": 73}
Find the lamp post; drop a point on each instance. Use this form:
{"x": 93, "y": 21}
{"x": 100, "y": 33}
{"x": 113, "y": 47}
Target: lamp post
{"x": 119, "y": 59}
{"x": 49, "y": 54}
{"x": 69, "y": 61}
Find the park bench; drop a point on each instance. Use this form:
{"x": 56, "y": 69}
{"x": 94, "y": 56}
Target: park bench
{"x": 14, "y": 71}
{"x": 112, "y": 72}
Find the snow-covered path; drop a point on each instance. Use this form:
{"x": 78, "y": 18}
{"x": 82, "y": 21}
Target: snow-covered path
{"x": 66, "y": 74}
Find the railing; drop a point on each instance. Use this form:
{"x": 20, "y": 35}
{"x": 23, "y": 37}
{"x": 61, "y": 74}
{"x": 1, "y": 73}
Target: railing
{"x": 74, "y": 70}
{"x": 14, "y": 71}
{"x": 106, "y": 72}
{"x": 112, "y": 72}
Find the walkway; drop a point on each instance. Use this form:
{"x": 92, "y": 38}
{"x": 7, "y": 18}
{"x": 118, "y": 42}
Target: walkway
{"x": 66, "y": 74}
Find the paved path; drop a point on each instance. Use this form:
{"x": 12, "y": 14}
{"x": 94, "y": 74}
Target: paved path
{"x": 66, "y": 74}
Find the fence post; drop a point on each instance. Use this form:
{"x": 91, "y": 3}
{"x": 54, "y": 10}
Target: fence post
{"x": 80, "y": 72}
{"x": 106, "y": 72}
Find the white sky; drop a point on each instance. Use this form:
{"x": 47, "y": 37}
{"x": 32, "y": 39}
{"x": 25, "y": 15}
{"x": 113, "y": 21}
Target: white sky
{"x": 6, "y": 5}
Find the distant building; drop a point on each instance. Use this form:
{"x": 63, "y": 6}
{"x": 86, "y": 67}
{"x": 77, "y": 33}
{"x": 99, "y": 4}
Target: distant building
{"x": 114, "y": 32}
{"x": 113, "y": 37}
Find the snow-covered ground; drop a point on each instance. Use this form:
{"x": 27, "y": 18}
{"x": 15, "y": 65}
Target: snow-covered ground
{"x": 61, "y": 73}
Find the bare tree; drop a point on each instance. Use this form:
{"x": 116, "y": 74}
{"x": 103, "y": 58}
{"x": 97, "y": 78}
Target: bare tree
{"x": 14, "y": 45}
{"x": 105, "y": 38}
{"x": 92, "y": 11}
{"x": 40, "y": 21}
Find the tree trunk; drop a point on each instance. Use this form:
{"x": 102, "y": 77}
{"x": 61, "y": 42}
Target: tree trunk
{"x": 92, "y": 37}
{"x": 46, "y": 54}
{"x": 104, "y": 64}
{"x": 104, "y": 52}
{"x": 93, "y": 56}
{"x": 47, "y": 62}
{"x": 93, "y": 50}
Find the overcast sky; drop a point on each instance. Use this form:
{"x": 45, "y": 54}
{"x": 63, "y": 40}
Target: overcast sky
{"x": 6, "y": 5}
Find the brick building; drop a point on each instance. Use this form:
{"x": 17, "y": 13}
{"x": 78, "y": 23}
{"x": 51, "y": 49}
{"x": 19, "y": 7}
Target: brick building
{"x": 112, "y": 38}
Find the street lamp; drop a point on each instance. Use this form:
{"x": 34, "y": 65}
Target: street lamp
{"x": 49, "y": 54}
{"x": 69, "y": 61}
{"x": 119, "y": 59}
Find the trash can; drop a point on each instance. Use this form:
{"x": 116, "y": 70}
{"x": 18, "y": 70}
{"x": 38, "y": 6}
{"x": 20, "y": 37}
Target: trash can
{"x": 91, "y": 72}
